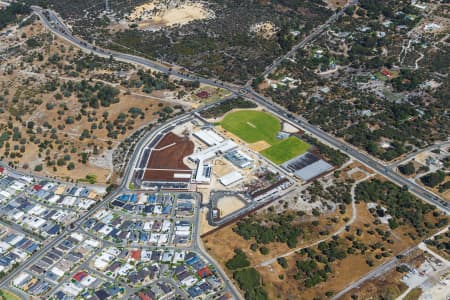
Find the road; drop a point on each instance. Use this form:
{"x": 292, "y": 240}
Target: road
{"x": 415, "y": 153}
{"x": 55, "y": 25}
{"x": 351, "y": 151}
{"x": 382, "y": 269}
{"x": 314, "y": 34}
{"x": 387, "y": 266}
{"x": 58, "y": 28}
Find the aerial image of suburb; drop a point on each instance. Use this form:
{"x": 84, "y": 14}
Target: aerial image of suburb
{"x": 224, "y": 149}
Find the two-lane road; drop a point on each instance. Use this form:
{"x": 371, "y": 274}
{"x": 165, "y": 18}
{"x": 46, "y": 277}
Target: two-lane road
{"x": 54, "y": 24}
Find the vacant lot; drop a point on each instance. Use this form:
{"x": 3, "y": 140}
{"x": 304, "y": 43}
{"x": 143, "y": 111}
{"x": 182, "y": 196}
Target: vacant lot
{"x": 256, "y": 127}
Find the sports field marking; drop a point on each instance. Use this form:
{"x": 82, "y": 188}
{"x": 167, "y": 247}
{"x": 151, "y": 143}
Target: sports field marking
{"x": 252, "y": 126}
{"x": 258, "y": 128}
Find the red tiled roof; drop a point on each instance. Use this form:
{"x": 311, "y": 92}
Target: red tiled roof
{"x": 37, "y": 187}
{"x": 136, "y": 254}
{"x": 204, "y": 272}
{"x": 79, "y": 276}
{"x": 144, "y": 296}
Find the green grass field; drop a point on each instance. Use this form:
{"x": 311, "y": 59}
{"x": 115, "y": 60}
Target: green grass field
{"x": 285, "y": 150}
{"x": 254, "y": 126}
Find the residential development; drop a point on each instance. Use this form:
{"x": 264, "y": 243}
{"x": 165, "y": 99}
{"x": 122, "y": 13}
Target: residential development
{"x": 224, "y": 150}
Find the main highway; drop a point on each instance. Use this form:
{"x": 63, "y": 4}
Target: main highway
{"x": 57, "y": 26}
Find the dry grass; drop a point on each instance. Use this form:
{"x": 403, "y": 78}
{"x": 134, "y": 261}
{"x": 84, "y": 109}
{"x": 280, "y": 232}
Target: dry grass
{"x": 222, "y": 243}
{"x": 25, "y": 83}
{"x": 389, "y": 282}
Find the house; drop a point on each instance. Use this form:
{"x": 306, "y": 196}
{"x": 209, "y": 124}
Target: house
{"x": 136, "y": 254}
{"x": 80, "y": 276}
{"x": 204, "y": 272}
{"x": 144, "y": 296}
{"x": 37, "y": 187}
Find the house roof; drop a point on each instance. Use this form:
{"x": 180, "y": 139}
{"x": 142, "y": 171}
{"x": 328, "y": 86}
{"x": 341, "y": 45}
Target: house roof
{"x": 79, "y": 276}
{"x": 37, "y": 187}
{"x": 204, "y": 272}
{"x": 136, "y": 254}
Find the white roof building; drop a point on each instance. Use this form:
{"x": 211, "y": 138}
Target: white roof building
{"x": 22, "y": 277}
{"x": 71, "y": 289}
{"x": 212, "y": 152}
{"x": 209, "y": 137}
{"x": 230, "y": 178}
{"x": 313, "y": 170}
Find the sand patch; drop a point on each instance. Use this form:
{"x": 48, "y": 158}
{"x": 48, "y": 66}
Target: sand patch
{"x": 259, "y": 146}
{"x": 221, "y": 168}
{"x": 157, "y": 14}
{"x": 334, "y": 4}
{"x": 228, "y": 205}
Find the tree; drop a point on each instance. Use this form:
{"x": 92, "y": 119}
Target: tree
{"x": 407, "y": 169}
{"x": 264, "y": 250}
{"x": 239, "y": 260}
{"x": 433, "y": 179}
{"x": 282, "y": 262}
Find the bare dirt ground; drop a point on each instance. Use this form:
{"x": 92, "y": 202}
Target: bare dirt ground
{"x": 158, "y": 14}
{"x": 265, "y": 30}
{"x": 214, "y": 94}
{"x": 228, "y": 205}
{"x": 259, "y": 146}
{"x": 221, "y": 168}
{"x": 333, "y": 4}
{"x": 204, "y": 226}
{"x": 289, "y": 128}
